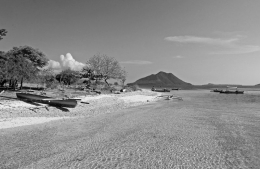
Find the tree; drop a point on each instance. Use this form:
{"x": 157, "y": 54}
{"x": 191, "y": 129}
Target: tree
{"x": 122, "y": 76}
{"x": 47, "y": 76}
{"x": 3, "y": 32}
{"x": 23, "y": 62}
{"x": 68, "y": 76}
{"x": 104, "y": 66}
{"x": 3, "y": 70}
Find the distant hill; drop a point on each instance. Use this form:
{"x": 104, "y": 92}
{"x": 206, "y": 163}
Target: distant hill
{"x": 161, "y": 79}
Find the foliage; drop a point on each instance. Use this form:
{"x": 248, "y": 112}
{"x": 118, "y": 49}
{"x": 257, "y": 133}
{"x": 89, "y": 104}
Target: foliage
{"x": 34, "y": 56}
{"x": 3, "y": 32}
{"x": 135, "y": 87}
{"x": 21, "y": 63}
{"x": 116, "y": 83}
{"x": 68, "y": 77}
{"x": 105, "y": 67}
{"x": 122, "y": 76}
{"x": 48, "y": 77}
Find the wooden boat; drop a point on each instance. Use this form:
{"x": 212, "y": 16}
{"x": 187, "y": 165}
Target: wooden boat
{"x": 232, "y": 92}
{"x": 161, "y": 90}
{"x": 69, "y": 103}
{"x": 217, "y": 90}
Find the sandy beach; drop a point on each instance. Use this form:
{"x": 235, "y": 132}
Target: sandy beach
{"x": 15, "y": 113}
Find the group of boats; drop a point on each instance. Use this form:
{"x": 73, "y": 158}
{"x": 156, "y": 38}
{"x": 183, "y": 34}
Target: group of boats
{"x": 229, "y": 90}
{"x": 56, "y": 102}
{"x": 163, "y": 90}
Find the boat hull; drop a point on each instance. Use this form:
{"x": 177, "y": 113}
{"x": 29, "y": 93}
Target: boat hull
{"x": 161, "y": 90}
{"x": 232, "y": 92}
{"x": 217, "y": 90}
{"x": 69, "y": 103}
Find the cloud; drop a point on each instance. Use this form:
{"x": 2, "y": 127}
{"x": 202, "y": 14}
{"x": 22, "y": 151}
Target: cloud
{"x": 178, "y": 57}
{"x": 238, "y": 49}
{"x": 137, "y": 62}
{"x": 204, "y": 40}
{"x": 230, "y": 46}
{"x": 66, "y": 62}
{"x": 53, "y": 65}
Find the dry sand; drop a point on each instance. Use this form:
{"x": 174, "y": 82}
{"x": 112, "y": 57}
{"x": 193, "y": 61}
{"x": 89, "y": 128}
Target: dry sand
{"x": 15, "y": 113}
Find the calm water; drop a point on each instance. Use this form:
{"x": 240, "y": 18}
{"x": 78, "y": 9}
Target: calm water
{"x": 235, "y": 120}
{"x": 248, "y": 103}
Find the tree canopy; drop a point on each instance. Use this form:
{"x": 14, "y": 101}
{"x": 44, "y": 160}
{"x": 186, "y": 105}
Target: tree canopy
{"x": 3, "y": 32}
{"x": 21, "y": 63}
{"x": 105, "y": 67}
{"x": 36, "y": 57}
{"x": 68, "y": 76}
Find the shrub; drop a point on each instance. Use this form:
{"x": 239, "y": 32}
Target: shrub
{"x": 52, "y": 85}
{"x": 116, "y": 83}
{"x": 134, "y": 87}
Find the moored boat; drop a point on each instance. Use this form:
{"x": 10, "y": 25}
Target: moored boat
{"x": 217, "y": 90}
{"x": 232, "y": 90}
{"x": 69, "y": 103}
{"x": 161, "y": 90}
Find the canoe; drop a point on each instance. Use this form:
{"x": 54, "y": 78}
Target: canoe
{"x": 161, "y": 90}
{"x": 217, "y": 90}
{"x": 69, "y": 103}
{"x": 232, "y": 92}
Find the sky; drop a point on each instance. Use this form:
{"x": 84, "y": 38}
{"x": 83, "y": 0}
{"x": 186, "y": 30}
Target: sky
{"x": 199, "y": 41}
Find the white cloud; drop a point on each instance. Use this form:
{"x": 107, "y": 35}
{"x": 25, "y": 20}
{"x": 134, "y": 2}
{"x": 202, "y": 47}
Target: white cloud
{"x": 205, "y": 40}
{"x": 53, "y": 64}
{"x": 178, "y": 57}
{"x": 66, "y": 62}
{"x": 236, "y": 49}
{"x": 137, "y": 62}
{"x": 231, "y": 45}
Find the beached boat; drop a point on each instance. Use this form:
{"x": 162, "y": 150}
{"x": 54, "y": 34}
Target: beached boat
{"x": 69, "y": 103}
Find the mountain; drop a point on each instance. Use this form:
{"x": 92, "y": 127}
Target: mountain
{"x": 161, "y": 79}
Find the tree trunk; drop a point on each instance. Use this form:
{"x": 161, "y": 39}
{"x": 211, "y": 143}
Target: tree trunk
{"x": 21, "y": 85}
{"x": 106, "y": 82}
{"x": 2, "y": 83}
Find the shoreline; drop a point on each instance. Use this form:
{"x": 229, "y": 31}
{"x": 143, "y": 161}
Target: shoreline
{"x": 16, "y": 113}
